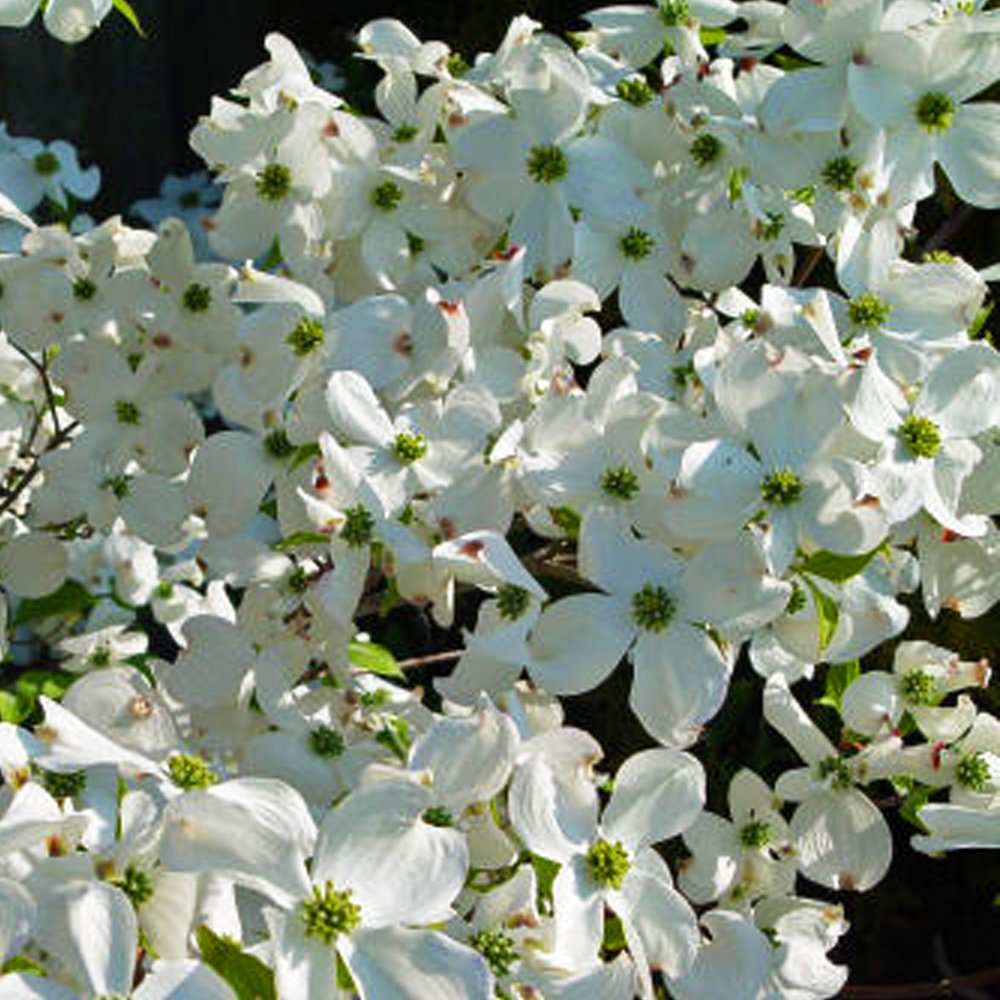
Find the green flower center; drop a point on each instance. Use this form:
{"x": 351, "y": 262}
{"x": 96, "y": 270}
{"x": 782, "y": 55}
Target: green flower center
{"x": 608, "y": 863}
{"x": 63, "y": 784}
{"x": 84, "y": 289}
{"x": 438, "y": 816}
{"x": 190, "y": 199}
{"x": 359, "y": 526}
{"x": 512, "y": 601}
{"x": 920, "y": 436}
{"x": 547, "y": 164}
{"x": 326, "y": 742}
{"x": 127, "y": 412}
{"x": 796, "y": 600}
{"x": 567, "y": 519}
{"x": 636, "y": 244}
{"x": 406, "y": 132}
{"x": 705, "y": 149}
{"x": 117, "y": 484}
{"x": 635, "y": 91}
{"x": 683, "y": 374}
{"x": 781, "y": 487}
{"x": 934, "y": 111}
{"x": 197, "y": 298}
{"x": 973, "y": 772}
{"x": 387, "y": 196}
{"x": 839, "y": 173}
{"x": 750, "y": 317}
{"x": 274, "y": 182}
{"x": 100, "y": 657}
{"x": 868, "y": 310}
{"x": 836, "y": 771}
{"x": 190, "y": 772}
{"x": 497, "y": 948}
{"x": 277, "y": 445}
{"x": 938, "y": 257}
{"x": 329, "y": 912}
{"x": 409, "y": 447}
{"x": 674, "y": 12}
{"x": 919, "y": 688}
{"x": 755, "y": 834}
{"x": 307, "y": 335}
{"x": 621, "y": 482}
{"x": 136, "y": 884}
{"x": 653, "y": 608}
{"x": 46, "y": 164}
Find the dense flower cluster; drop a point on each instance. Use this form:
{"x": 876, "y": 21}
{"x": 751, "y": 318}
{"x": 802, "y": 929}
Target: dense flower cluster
{"x": 386, "y": 384}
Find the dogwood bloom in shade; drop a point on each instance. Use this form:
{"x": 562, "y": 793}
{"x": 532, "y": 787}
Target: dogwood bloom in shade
{"x": 657, "y": 793}
{"x": 922, "y": 676}
{"x": 33, "y": 170}
{"x": 840, "y": 838}
{"x": 32, "y": 564}
{"x": 956, "y": 828}
{"x": 743, "y": 859}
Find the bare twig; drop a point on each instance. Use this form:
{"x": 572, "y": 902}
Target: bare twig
{"x": 808, "y": 266}
{"x": 422, "y": 661}
{"x": 919, "y": 991}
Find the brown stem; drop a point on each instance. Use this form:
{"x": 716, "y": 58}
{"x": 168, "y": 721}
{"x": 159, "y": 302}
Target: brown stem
{"x": 808, "y": 266}
{"x": 10, "y": 495}
{"x": 43, "y": 373}
{"x": 421, "y": 661}
{"x": 917, "y": 991}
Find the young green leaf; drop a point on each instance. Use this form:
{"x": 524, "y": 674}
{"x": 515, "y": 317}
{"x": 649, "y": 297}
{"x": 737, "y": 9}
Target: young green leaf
{"x": 249, "y": 977}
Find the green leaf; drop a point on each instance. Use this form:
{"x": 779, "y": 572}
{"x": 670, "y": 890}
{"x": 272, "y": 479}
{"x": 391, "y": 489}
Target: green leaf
{"x": 70, "y": 599}
{"x": 270, "y": 508}
{"x": 614, "y": 938}
{"x": 249, "y": 977}
{"x": 374, "y": 658}
{"x": 975, "y": 328}
{"x": 298, "y": 538}
{"x": 837, "y": 568}
{"x": 839, "y": 677}
{"x": 827, "y": 615}
{"x": 304, "y": 453}
{"x": 913, "y": 803}
{"x": 791, "y": 63}
{"x": 21, "y": 963}
{"x": 125, "y": 9}
{"x": 21, "y": 697}
{"x": 344, "y": 978}
{"x": 712, "y": 36}
{"x": 545, "y": 875}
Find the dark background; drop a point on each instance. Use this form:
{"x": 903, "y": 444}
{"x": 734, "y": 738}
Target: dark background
{"x": 128, "y": 104}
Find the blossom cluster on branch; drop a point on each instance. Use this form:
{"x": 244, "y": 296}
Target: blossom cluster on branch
{"x": 486, "y": 352}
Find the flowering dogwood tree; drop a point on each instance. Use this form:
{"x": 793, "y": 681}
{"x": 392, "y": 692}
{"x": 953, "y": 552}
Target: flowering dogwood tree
{"x": 533, "y": 348}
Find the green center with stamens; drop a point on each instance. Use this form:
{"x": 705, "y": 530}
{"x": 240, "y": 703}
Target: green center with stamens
{"x": 919, "y": 688}
{"x": 197, "y": 298}
{"x": 620, "y": 482}
{"x": 63, "y": 784}
{"x": 136, "y": 884}
{"x": 836, "y": 771}
{"x": 438, "y": 816}
{"x": 920, "y": 436}
{"x": 84, "y": 289}
{"x": 326, "y": 742}
{"x": 636, "y": 92}
{"x": 705, "y": 149}
{"x": 636, "y": 244}
{"x": 190, "y": 772}
{"x": 359, "y": 526}
{"x": 46, "y": 164}
{"x": 329, "y": 912}
{"x": 839, "y": 172}
{"x": 127, "y": 412}
{"x": 307, "y": 335}
{"x": 274, "y": 182}
{"x": 608, "y": 863}
{"x": 653, "y": 608}
{"x": 547, "y": 164}
{"x": 973, "y": 772}
{"x": 756, "y": 834}
{"x": 674, "y": 12}
{"x": 409, "y": 447}
{"x": 512, "y": 601}
{"x": 781, "y": 487}
{"x": 868, "y": 310}
{"x": 497, "y": 948}
{"x": 934, "y": 112}
{"x": 387, "y": 196}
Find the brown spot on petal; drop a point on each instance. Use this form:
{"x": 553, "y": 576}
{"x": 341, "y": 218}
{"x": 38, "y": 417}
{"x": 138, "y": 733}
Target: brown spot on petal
{"x": 403, "y": 344}
{"x": 56, "y": 847}
{"x": 948, "y": 536}
{"x": 847, "y": 881}
{"x": 449, "y": 307}
{"x": 161, "y": 340}
{"x": 472, "y": 550}
{"x": 140, "y": 707}
{"x": 331, "y": 129}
